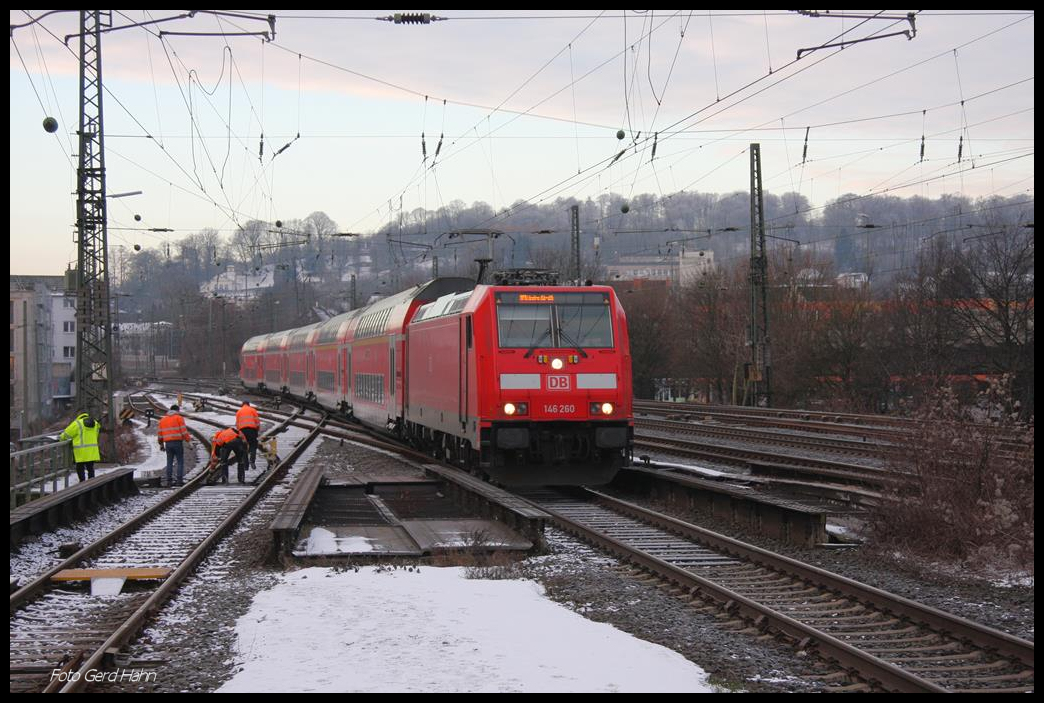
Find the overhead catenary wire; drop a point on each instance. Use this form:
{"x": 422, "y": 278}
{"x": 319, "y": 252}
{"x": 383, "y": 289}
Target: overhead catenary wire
{"x": 657, "y": 136}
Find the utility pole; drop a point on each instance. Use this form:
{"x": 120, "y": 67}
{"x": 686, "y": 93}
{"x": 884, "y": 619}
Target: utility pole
{"x": 94, "y": 368}
{"x": 574, "y": 229}
{"x": 760, "y": 366}
{"x": 94, "y": 360}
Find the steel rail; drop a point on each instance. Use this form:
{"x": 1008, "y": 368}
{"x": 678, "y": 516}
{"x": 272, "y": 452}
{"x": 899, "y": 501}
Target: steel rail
{"x": 877, "y": 671}
{"x": 954, "y": 625}
{"x": 188, "y": 565}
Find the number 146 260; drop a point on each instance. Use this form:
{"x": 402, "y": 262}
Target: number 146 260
{"x": 559, "y": 409}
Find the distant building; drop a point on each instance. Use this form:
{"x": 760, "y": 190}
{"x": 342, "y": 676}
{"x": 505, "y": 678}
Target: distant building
{"x": 639, "y": 285}
{"x": 63, "y": 350}
{"x": 242, "y": 284}
{"x": 148, "y": 348}
{"x": 681, "y": 268}
{"x": 42, "y": 351}
{"x": 694, "y": 265}
{"x": 853, "y": 280}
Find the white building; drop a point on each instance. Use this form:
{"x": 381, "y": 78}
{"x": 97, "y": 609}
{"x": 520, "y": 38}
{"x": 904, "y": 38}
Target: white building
{"x": 31, "y": 356}
{"x": 681, "y": 268}
{"x": 241, "y": 284}
{"x": 854, "y": 279}
{"x": 63, "y": 349}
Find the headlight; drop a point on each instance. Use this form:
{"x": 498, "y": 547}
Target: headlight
{"x": 509, "y": 408}
{"x": 557, "y": 364}
{"x": 607, "y": 408}
{"x": 602, "y": 408}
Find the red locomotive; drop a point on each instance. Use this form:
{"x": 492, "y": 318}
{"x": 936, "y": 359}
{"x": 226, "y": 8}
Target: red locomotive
{"x": 528, "y": 384}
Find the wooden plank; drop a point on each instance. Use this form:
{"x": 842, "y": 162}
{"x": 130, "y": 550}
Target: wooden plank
{"x": 135, "y": 573}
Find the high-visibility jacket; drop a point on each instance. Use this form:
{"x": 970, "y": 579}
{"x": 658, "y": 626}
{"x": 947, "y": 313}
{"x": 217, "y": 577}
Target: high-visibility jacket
{"x": 246, "y": 417}
{"x": 84, "y": 439}
{"x": 225, "y": 436}
{"x": 172, "y": 428}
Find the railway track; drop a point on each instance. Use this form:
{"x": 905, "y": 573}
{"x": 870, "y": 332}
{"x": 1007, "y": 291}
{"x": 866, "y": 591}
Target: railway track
{"x": 766, "y": 462}
{"x": 58, "y": 627}
{"x": 783, "y": 439}
{"x": 764, "y": 420}
{"x": 881, "y": 428}
{"x": 866, "y": 420}
{"x": 884, "y": 641}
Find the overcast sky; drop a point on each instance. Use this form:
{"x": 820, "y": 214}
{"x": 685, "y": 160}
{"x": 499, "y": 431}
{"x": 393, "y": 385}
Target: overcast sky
{"x": 527, "y": 106}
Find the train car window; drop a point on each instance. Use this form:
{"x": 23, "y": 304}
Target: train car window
{"x": 327, "y": 381}
{"x": 423, "y": 312}
{"x": 458, "y": 304}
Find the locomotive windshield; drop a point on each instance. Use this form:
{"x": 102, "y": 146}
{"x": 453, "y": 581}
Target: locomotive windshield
{"x": 531, "y": 320}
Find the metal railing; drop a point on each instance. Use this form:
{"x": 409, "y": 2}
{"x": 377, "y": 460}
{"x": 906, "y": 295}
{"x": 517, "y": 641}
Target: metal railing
{"x": 33, "y": 469}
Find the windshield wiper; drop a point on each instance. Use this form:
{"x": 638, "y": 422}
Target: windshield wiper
{"x": 536, "y": 344}
{"x": 572, "y": 342}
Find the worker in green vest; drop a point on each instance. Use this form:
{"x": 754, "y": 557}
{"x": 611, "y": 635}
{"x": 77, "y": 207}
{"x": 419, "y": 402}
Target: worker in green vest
{"x": 84, "y": 431}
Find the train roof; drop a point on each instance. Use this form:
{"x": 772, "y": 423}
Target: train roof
{"x": 370, "y": 320}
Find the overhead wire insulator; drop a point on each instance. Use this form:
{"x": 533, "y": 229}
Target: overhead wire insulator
{"x": 656, "y": 137}
{"x": 438, "y": 148}
{"x": 960, "y": 148}
{"x": 924, "y": 117}
{"x": 412, "y": 18}
{"x": 424, "y": 148}
{"x": 804, "y": 153}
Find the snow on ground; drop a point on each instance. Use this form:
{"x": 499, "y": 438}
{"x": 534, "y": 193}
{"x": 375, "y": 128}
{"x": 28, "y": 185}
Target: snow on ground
{"x": 380, "y": 630}
{"x": 693, "y": 468}
{"x": 322, "y": 541}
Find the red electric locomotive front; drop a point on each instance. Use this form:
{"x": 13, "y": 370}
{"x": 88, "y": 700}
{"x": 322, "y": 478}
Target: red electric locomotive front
{"x": 530, "y": 385}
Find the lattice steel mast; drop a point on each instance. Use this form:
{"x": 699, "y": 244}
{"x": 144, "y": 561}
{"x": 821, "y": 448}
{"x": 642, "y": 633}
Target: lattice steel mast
{"x": 93, "y": 314}
{"x": 759, "y": 372}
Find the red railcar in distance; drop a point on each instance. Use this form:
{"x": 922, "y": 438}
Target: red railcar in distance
{"x": 529, "y": 385}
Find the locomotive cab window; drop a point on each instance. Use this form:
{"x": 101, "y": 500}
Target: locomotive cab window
{"x": 585, "y": 325}
{"x": 534, "y": 320}
{"x": 524, "y": 326}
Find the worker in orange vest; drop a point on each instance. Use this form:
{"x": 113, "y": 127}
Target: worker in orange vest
{"x": 174, "y": 437}
{"x": 224, "y": 443}
{"x": 248, "y": 422}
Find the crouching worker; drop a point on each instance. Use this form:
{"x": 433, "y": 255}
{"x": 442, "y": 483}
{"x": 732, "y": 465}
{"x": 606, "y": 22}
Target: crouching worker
{"x": 225, "y": 442}
{"x": 248, "y": 422}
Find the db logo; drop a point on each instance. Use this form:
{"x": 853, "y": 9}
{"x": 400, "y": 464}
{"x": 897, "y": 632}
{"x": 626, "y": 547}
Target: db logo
{"x": 557, "y": 383}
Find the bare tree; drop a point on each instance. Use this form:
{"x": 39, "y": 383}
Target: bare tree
{"x": 710, "y": 320}
{"x": 926, "y": 338}
{"x": 648, "y": 324}
{"x": 991, "y": 285}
